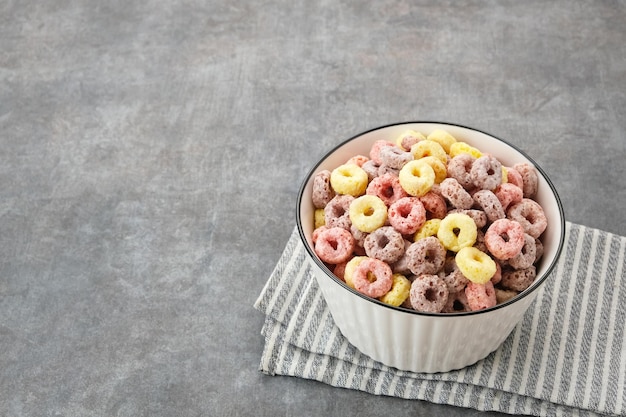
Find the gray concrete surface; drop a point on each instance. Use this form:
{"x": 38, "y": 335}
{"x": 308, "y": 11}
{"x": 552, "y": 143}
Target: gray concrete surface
{"x": 151, "y": 152}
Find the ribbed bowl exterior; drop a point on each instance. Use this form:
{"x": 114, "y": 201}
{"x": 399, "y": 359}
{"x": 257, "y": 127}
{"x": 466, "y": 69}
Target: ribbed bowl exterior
{"x": 423, "y": 342}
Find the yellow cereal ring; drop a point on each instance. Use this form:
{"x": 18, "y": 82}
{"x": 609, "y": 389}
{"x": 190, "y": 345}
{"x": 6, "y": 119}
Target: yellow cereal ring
{"x": 475, "y": 265}
{"x": 318, "y": 219}
{"x": 399, "y": 292}
{"x": 350, "y": 267}
{"x": 349, "y": 179}
{"x": 458, "y": 148}
{"x": 443, "y": 138}
{"x": 409, "y": 138}
{"x": 416, "y": 178}
{"x": 429, "y": 148}
{"x": 428, "y": 229}
{"x": 441, "y": 171}
{"x": 457, "y": 231}
{"x": 367, "y": 213}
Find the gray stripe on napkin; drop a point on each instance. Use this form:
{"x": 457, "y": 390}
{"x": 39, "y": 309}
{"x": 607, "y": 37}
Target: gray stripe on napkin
{"x": 566, "y": 357}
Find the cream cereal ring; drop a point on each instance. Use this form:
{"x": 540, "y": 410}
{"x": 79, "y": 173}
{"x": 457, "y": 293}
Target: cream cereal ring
{"x": 417, "y": 178}
{"x": 394, "y": 157}
{"x": 348, "y": 271}
{"x": 408, "y": 139}
{"x": 386, "y": 187}
{"x": 426, "y": 256}
{"x": 508, "y": 194}
{"x": 407, "y": 215}
{"x": 518, "y": 279}
{"x": 371, "y": 169}
{"x": 428, "y": 293}
{"x": 367, "y": 213}
{"x": 372, "y": 277}
{"x": 457, "y": 303}
{"x": 376, "y": 148}
{"x": 318, "y": 218}
{"x": 490, "y": 204}
{"x": 529, "y": 178}
{"x": 429, "y": 148}
{"x": 322, "y": 190}
{"x": 460, "y": 167}
{"x": 429, "y": 228}
{"x": 334, "y": 245}
{"x": 441, "y": 172}
{"x": 443, "y": 138}
{"x": 530, "y": 215}
{"x": 399, "y": 292}
{"x": 514, "y": 177}
{"x": 486, "y": 172}
{"x": 336, "y": 212}
{"x": 358, "y": 160}
{"x": 456, "y": 194}
{"x": 435, "y": 205}
{"x": 475, "y": 265}
{"x": 457, "y": 231}
{"x": 385, "y": 244}
{"x": 480, "y": 296}
{"x": 349, "y": 179}
{"x": 458, "y": 148}
{"x": 504, "y": 238}
{"x": 526, "y": 257}
{"x": 479, "y": 216}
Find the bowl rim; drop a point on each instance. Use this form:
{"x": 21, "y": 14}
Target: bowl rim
{"x": 536, "y": 284}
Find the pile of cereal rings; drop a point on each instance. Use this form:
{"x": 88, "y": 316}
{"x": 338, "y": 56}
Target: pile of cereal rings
{"x": 429, "y": 223}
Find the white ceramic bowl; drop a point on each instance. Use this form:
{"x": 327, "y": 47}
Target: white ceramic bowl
{"x": 411, "y": 340}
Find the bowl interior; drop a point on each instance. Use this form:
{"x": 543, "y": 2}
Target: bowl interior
{"x": 508, "y": 155}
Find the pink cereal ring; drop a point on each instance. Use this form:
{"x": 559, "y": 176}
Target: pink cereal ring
{"x": 334, "y": 245}
{"x": 529, "y": 178}
{"x": 394, "y": 157}
{"x": 504, "y": 238}
{"x": 456, "y": 194}
{"x": 460, "y": 167}
{"x": 407, "y": 215}
{"x": 337, "y": 211}
{"x": 376, "y": 148}
{"x": 317, "y": 232}
{"x": 490, "y": 204}
{"x": 480, "y": 296}
{"x": 530, "y": 215}
{"x": 386, "y": 187}
{"x": 385, "y": 244}
{"x": 322, "y": 190}
{"x": 426, "y": 256}
{"x": 514, "y": 177}
{"x": 358, "y": 160}
{"x": 486, "y": 172}
{"x": 372, "y": 268}
{"x": 508, "y": 194}
{"x": 518, "y": 279}
{"x": 527, "y": 255}
{"x": 435, "y": 205}
{"x": 429, "y": 293}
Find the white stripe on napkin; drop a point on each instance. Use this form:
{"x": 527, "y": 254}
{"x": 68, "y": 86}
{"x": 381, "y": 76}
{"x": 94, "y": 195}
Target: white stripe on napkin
{"x": 566, "y": 357}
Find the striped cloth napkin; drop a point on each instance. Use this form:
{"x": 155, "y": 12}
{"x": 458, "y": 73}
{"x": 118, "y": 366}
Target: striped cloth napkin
{"x": 566, "y": 357}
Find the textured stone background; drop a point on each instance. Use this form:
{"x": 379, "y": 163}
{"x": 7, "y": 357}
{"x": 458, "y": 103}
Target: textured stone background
{"x": 151, "y": 152}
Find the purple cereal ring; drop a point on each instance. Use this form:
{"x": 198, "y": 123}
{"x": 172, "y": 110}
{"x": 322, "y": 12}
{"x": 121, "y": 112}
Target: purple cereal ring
{"x": 479, "y": 216}
{"x": 460, "y": 167}
{"x": 322, "y": 191}
{"x": 337, "y": 211}
{"x": 334, "y": 245}
{"x": 453, "y": 277}
{"x": 407, "y": 215}
{"x": 497, "y": 277}
{"x": 486, "y": 172}
{"x": 526, "y": 257}
{"x": 518, "y": 279}
{"x": 435, "y": 205}
{"x": 504, "y": 238}
{"x": 386, "y": 187}
{"x": 456, "y": 194}
{"x": 376, "y": 148}
{"x": 379, "y": 270}
{"x": 401, "y": 266}
{"x": 529, "y": 178}
{"x": 480, "y": 296}
{"x": 428, "y": 293}
{"x": 426, "y": 256}
{"x": 386, "y": 169}
{"x": 371, "y": 169}
{"x": 457, "y": 303}
{"x": 490, "y": 204}
{"x": 394, "y": 157}
{"x": 508, "y": 194}
{"x": 358, "y": 235}
{"x": 384, "y": 243}
{"x": 480, "y": 242}
{"x": 530, "y": 215}
{"x": 514, "y": 177}
{"x": 538, "y": 250}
